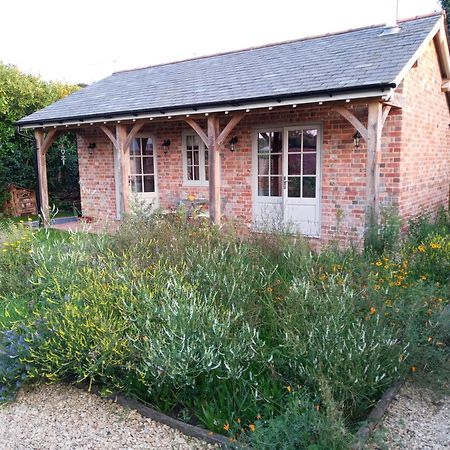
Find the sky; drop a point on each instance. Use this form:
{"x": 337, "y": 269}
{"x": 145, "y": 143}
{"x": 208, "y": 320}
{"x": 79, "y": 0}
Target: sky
{"x": 85, "y": 40}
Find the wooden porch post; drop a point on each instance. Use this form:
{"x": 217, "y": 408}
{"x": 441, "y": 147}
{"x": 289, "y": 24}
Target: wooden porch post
{"x": 121, "y": 144}
{"x": 214, "y": 140}
{"x": 43, "y": 143}
{"x": 377, "y": 115}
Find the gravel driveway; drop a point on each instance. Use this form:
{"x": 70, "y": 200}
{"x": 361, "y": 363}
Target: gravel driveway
{"x": 416, "y": 419}
{"x": 63, "y": 417}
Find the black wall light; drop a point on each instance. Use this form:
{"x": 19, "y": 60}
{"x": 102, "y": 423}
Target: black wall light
{"x": 166, "y": 145}
{"x": 91, "y": 148}
{"x": 233, "y": 141}
{"x": 357, "y": 139}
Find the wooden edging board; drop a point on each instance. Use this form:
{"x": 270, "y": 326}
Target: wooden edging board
{"x": 375, "y": 416}
{"x": 145, "y": 411}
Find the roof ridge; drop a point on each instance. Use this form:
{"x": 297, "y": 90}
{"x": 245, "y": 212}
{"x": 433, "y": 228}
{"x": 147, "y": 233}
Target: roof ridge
{"x": 274, "y": 44}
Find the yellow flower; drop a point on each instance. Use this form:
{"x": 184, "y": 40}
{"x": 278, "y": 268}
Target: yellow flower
{"x": 434, "y": 245}
{"x": 423, "y": 277}
{"x": 372, "y": 310}
{"x": 269, "y": 290}
{"x": 191, "y": 197}
{"x": 258, "y": 417}
{"x": 226, "y": 427}
{"x": 289, "y": 389}
{"x": 398, "y": 283}
{"x": 252, "y": 427}
{"x": 318, "y": 407}
{"x": 413, "y": 369}
{"x": 378, "y": 263}
{"x": 238, "y": 420}
{"x": 429, "y": 339}
{"x": 421, "y": 248}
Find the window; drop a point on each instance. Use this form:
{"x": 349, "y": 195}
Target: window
{"x": 142, "y": 166}
{"x": 195, "y": 158}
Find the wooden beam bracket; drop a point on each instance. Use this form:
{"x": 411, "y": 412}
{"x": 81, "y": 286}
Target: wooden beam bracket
{"x": 344, "y": 112}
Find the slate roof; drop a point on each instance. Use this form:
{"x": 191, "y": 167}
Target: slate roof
{"x": 359, "y": 59}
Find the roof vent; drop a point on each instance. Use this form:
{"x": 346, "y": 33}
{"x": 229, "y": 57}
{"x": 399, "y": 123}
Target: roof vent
{"x": 391, "y": 26}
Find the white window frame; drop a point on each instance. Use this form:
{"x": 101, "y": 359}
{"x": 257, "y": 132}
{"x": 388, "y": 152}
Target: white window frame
{"x": 202, "y": 172}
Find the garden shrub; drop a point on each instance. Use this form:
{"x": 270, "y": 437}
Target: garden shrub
{"x": 228, "y": 332}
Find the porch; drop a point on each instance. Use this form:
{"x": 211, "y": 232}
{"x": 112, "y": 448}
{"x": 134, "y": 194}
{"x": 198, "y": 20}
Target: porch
{"x": 229, "y": 162}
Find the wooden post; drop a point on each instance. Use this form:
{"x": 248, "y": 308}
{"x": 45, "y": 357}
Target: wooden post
{"x": 43, "y": 143}
{"x": 121, "y": 137}
{"x": 214, "y": 140}
{"x": 374, "y": 128}
{"x": 214, "y": 170}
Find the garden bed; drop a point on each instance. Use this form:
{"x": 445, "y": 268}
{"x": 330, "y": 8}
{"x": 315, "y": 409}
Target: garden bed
{"x": 261, "y": 340}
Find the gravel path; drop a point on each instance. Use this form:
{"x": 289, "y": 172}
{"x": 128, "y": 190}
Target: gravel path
{"x": 63, "y": 417}
{"x": 416, "y": 419}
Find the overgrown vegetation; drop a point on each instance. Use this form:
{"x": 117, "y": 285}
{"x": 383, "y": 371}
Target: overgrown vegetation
{"x": 260, "y": 339}
{"x": 20, "y": 95}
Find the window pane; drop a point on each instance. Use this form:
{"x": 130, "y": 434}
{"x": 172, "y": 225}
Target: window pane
{"x": 148, "y": 165}
{"x": 190, "y": 173}
{"x": 275, "y": 186}
{"x": 263, "y": 164}
{"x": 206, "y": 166}
{"x": 196, "y": 173}
{"x": 309, "y": 187}
{"x": 149, "y": 183}
{"x": 295, "y": 141}
{"x": 275, "y": 164}
{"x": 309, "y": 140}
{"x": 147, "y": 147}
{"x": 294, "y": 186}
{"x": 309, "y": 164}
{"x": 263, "y": 186}
{"x": 294, "y": 164}
{"x": 196, "y": 157}
{"x": 189, "y": 158}
{"x": 196, "y": 142}
{"x": 189, "y": 142}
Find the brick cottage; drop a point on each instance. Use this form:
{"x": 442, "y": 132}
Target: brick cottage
{"x": 316, "y": 135}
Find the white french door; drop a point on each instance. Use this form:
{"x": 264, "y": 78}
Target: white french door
{"x": 286, "y": 191}
{"x": 143, "y": 173}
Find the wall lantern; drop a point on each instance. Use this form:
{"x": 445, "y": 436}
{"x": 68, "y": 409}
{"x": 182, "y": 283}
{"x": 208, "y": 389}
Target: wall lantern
{"x": 357, "y": 139}
{"x": 166, "y": 145}
{"x": 233, "y": 142}
{"x": 91, "y": 148}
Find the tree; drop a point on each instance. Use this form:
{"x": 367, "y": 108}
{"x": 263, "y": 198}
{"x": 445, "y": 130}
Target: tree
{"x": 20, "y": 95}
{"x": 446, "y": 7}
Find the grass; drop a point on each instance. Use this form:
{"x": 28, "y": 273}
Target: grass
{"x": 260, "y": 339}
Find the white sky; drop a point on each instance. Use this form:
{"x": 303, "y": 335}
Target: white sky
{"x": 86, "y": 40}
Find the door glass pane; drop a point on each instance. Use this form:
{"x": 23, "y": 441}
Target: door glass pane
{"x": 136, "y": 184}
{"x": 263, "y": 164}
{"x": 189, "y": 158}
{"x": 294, "y": 164}
{"x": 134, "y": 148}
{"x": 189, "y": 142}
{"x": 149, "y": 183}
{"x": 309, "y": 163}
{"x": 196, "y": 157}
{"x": 309, "y": 140}
{"x": 148, "y": 165}
{"x": 206, "y": 166}
{"x": 147, "y": 147}
{"x": 277, "y": 145}
{"x": 294, "y": 186}
{"x": 263, "y": 142}
{"x": 263, "y": 186}
{"x": 135, "y": 166}
{"x": 275, "y": 164}
{"x": 294, "y": 141}
{"x": 275, "y": 186}
{"x": 309, "y": 187}
{"x": 196, "y": 172}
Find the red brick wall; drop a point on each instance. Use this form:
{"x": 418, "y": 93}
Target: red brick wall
{"x": 425, "y": 136}
{"x": 97, "y": 185}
